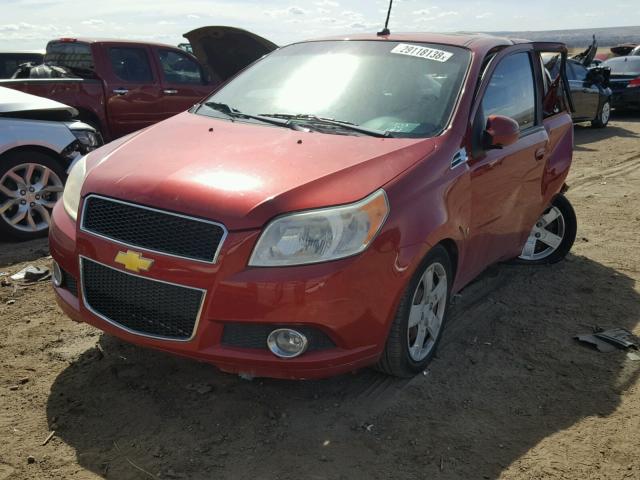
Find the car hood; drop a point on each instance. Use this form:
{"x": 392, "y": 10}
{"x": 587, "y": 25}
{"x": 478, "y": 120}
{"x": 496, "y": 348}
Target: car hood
{"x": 224, "y": 51}
{"x": 243, "y": 174}
{"x": 16, "y": 103}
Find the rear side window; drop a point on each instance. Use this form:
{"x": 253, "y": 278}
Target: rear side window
{"x": 73, "y": 55}
{"x": 131, "y": 64}
{"x": 511, "y": 91}
{"x": 179, "y": 68}
{"x": 576, "y": 72}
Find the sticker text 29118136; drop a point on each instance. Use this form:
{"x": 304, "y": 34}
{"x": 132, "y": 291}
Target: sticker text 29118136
{"x": 422, "y": 52}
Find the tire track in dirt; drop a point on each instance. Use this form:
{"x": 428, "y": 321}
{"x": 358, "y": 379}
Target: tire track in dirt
{"x": 623, "y": 168}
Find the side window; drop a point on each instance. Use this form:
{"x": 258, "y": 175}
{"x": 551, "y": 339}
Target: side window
{"x": 131, "y": 64}
{"x": 546, "y": 76}
{"x": 511, "y": 91}
{"x": 179, "y": 68}
{"x": 577, "y": 72}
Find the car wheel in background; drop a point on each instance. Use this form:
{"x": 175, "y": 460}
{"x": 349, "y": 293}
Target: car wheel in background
{"x": 417, "y": 327}
{"x": 604, "y": 114}
{"x": 31, "y": 182}
{"x": 552, "y": 236}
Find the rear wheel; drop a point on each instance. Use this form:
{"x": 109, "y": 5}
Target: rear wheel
{"x": 553, "y": 234}
{"x": 604, "y": 114}
{"x": 417, "y": 327}
{"x": 31, "y": 182}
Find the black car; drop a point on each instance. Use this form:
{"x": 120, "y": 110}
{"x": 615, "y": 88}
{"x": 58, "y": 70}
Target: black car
{"x": 590, "y": 93}
{"x": 10, "y": 61}
{"x": 589, "y": 87}
{"x": 625, "y": 81}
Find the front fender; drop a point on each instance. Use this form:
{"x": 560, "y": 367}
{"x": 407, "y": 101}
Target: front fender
{"x": 17, "y": 132}
{"x": 429, "y": 204}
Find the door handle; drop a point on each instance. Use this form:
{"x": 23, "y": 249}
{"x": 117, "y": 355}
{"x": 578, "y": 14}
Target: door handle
{"x": 170, "y": 91}
{"x": 540, "y": 153}
{"x": 121, "y": 91}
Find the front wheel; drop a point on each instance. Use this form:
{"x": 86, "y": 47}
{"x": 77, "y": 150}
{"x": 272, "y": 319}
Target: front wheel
{"x": 31, "y": 182}
{"x": 552, "y": 236}
{"x": 419, "y": 321}
{"x": 604, "y": 114}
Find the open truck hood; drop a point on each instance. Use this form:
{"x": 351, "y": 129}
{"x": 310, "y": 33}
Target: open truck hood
{"x": 14, "y": 103}
{"x": 224, "y": 51}
{"x": 624, "y": 49}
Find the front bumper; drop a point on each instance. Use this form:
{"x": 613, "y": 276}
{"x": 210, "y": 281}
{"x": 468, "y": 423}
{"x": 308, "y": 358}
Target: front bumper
{"x": 341, "y": 299}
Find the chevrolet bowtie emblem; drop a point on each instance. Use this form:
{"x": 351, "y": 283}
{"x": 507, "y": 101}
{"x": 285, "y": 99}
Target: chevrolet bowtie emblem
{"x": 133, "y": 261}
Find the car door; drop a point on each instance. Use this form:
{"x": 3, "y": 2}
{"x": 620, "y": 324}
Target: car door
{"x": 133, "y": 90}
{"x": 586, "y": 95}
{"x": 184, "y": 82}
{"x": 505, "y": 182}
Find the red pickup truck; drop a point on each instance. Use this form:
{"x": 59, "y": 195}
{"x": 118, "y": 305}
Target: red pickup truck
{"x": 120, "y": 86}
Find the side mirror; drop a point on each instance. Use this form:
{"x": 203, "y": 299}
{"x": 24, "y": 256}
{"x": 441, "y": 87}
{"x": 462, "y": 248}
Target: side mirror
{"x": 501, "y": 132}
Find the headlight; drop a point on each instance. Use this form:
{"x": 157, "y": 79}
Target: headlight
{"x": 71, "y": 194}
{"x": 88, "y": 139}
{"x": 321, "y": 235}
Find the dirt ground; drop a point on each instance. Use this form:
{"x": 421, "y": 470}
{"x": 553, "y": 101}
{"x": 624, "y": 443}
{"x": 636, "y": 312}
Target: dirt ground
{"x": 511, "y": 395}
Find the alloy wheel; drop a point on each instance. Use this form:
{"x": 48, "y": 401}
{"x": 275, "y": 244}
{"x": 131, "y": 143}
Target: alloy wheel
{"x": 28, "y": 193}
{"x": 546, "y": 236}
{"x": 606, "y": 113}
{"x": 427, "y": 312}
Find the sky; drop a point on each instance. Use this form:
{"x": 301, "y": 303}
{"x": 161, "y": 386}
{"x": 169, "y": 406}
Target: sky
{"x": 29, "y": 24}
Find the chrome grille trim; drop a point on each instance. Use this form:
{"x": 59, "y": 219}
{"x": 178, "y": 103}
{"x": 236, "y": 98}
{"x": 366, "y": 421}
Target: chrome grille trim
{"x": 165, "y": 212}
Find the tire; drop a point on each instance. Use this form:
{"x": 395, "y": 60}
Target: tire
{"x": 20, "y": 172}
{"x": 398, "y": 359}
{"x": 604, "y": 114}
{"x": 558, "y": 220}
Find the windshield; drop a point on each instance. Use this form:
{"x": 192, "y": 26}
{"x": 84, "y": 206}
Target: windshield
{"x": 407, "y": 90}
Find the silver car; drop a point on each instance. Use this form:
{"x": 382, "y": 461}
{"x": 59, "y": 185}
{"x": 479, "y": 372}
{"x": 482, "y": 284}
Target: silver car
{"x": 39, "y": 142}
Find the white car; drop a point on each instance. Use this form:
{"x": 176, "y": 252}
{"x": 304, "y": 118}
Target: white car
{"x": 39, "y": 142}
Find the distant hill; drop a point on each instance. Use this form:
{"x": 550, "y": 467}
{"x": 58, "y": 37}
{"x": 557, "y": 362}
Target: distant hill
{"x": 580, "y": 38}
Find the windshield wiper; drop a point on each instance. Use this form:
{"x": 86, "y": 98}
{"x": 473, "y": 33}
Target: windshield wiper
{"x": 235, "y": 113}
{"x": 330, "y": 121}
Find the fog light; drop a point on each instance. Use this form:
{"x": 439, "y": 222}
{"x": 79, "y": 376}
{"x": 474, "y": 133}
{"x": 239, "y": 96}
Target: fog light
{"x": 57, "y": 274}
{"x": 287, "y": 343}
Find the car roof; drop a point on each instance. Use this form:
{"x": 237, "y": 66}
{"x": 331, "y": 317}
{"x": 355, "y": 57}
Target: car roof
{"x": 110, "y": 40}
{"x": 472, "y": 41}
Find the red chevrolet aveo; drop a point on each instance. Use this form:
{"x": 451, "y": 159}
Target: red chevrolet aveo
{"x": 315, "y": 214}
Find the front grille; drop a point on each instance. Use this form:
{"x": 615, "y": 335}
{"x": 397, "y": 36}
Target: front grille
{"x": 255, "y": 335}
{"x": 151, "y": 229}
{"x": 140, "y": 305}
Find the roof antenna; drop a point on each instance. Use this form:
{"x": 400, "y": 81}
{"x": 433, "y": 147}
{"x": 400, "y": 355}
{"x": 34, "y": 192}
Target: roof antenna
{"x": 385, "y": 30}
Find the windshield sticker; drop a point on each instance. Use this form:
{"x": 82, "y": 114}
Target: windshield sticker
{"x": 422, "y": 52}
